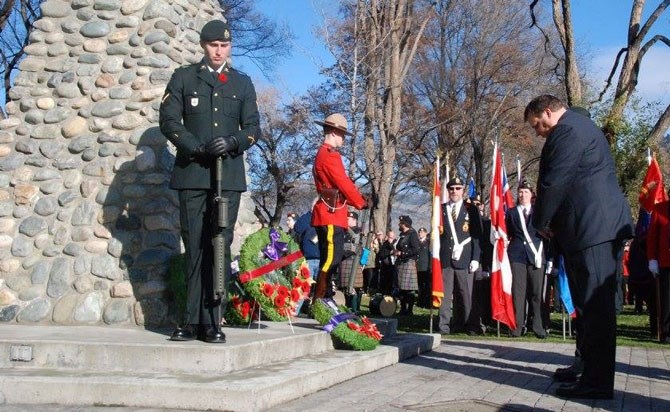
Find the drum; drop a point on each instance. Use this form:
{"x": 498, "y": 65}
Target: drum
{"x": 383, "y": 305}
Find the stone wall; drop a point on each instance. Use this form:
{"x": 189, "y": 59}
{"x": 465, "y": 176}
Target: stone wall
{"x": 87, "y": 221}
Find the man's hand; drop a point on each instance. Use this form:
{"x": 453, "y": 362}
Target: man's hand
{"x": 549, "y": 267}
{"x": 222, "y": 145}
{"x": 653, "y": 267}
{"x": 474, "y": 265}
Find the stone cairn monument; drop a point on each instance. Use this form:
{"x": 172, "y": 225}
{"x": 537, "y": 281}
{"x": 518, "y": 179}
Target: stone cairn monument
{"x": 87, "y": 221}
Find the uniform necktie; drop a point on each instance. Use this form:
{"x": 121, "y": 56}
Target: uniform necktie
{"x": 453, "y": 212}
{"x": 525, "y": 215}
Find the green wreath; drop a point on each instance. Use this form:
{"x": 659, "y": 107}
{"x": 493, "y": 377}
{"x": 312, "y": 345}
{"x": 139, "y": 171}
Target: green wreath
{"x": 347, "y": 330}
{"x": 277, "y": 292}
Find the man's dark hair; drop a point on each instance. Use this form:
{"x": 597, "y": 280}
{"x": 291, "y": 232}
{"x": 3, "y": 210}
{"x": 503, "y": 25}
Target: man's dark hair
{"x": 540, "y": 103}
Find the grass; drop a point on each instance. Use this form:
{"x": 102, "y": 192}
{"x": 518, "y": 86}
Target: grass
{"x": 632, "y": 329}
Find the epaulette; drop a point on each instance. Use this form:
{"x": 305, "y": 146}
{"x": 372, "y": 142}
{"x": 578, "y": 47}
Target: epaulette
{"x": 239, "y": 72}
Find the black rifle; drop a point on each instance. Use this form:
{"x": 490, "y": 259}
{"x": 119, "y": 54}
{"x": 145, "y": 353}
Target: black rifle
{"x": 220, "y": 269}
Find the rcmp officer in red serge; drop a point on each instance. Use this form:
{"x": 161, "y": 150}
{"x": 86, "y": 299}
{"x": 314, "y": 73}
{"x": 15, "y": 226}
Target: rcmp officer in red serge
{"x": 209, "y": 110}
{"x": 460, "y": 257}
{"x": 336, "y": 191}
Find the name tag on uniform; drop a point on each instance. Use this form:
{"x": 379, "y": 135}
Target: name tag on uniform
{"x": 194, "y": 101}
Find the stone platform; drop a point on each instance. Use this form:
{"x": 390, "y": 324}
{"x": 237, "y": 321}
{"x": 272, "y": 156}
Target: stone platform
{"x": 258, "y": 368}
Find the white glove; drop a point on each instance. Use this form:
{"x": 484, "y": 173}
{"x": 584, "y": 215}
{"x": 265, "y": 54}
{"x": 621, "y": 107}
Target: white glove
{"x": 474, "y": 265}
{"x": 653, "y": 266}
{"x": 550, "y": 265}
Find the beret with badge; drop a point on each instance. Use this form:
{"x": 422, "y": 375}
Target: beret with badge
{"x": 215, "y": 30}
{"x": 406, "y": 220}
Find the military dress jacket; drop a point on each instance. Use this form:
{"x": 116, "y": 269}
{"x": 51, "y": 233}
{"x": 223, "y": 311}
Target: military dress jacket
{"x": 329, "y": 172}
{"x": 578, "y": 196}
{"x": 519, "y": 250}
{"x": 408, "y": 245}
{"x": 196, "y": 108}
{"x": 468, "y": 224}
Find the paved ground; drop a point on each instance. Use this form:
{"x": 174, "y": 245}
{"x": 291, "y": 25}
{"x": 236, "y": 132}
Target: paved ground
{"x": 476, "y": 376}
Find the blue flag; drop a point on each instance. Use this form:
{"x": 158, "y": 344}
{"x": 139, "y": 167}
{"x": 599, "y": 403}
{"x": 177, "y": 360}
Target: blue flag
{"x": 564, "y": 289}
{"x": 472, "y": 192}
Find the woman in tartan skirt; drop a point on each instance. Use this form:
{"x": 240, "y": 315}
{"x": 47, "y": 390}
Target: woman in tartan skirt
{"x": 407, "y": 250}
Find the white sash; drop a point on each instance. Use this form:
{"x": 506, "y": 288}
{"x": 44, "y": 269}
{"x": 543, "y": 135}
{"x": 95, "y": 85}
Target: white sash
{"x": 537, "y": 253}
{"x": 458, "y": 247}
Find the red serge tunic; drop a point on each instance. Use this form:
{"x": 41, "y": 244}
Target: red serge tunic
{"x": 329, "y": 173}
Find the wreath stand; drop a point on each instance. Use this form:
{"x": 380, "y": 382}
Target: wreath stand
{"x": 260, "y": 310}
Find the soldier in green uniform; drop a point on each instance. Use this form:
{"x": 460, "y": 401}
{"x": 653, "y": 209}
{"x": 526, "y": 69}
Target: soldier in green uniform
{"x": 209, "y": 110}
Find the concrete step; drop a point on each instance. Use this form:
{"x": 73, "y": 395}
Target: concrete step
{"x": 202, "y": 387}
{"x": 92, "y": 349}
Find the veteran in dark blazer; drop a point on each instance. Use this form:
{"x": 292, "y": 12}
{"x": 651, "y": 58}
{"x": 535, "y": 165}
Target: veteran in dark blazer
{"x": 526, "y": 252}
{"x": 208, "y": 111}
{"x": 579, "y": 204}
{"x": 460, "y": 256}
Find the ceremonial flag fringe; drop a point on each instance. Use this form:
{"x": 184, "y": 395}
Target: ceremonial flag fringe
{"x": 435, "y": 231}
{"x": 502, "y": 307}
{"x": 564, "y": 289}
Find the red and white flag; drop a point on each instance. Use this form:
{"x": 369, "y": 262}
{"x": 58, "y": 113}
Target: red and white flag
{"x": 502, "y": 307}
{"x": 435, "y": 231}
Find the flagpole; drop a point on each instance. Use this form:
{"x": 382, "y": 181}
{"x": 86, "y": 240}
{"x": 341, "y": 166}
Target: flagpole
{"x": 518, "y": 170}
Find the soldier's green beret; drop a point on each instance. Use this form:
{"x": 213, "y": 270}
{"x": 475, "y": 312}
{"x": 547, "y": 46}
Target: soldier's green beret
{"x": 215, "y": 30}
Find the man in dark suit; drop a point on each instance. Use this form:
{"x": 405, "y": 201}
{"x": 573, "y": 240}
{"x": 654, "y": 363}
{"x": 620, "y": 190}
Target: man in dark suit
{"x": 460, "y": 257}
{"x": 526, "y": 253}
{"x": 208, "y": 111}
{"x": 580, "y": 204}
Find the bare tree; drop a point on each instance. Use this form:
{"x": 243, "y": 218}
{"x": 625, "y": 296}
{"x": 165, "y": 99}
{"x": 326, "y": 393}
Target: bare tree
{"x": 16, "y": 19}
{"x": 633, "y": 53}
{"x": 279, "y": 167}
{"x": 562, "y": 17}
{"x": 390, "y": 32}
{"x": 473, "y": 73}
{"x": 257, "y": 36}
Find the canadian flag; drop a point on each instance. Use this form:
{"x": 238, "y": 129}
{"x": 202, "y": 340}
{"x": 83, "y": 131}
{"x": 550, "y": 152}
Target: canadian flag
{"x": 435, "y": 231}
{"x": 502, "y": 307}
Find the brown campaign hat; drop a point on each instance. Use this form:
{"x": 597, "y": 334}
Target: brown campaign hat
{"x": 336, "y": 121}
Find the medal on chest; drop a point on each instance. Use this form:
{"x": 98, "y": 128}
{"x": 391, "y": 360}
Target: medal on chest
{"x": 466, "y": 224}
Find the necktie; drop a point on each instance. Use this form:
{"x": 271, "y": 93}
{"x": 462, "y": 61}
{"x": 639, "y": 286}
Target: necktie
{"x": 453, "y": 212}
{"x": 525, "y": 215}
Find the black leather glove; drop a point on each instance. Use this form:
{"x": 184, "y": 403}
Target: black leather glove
{"x": 200, "y": 152}
{"x": 222, "y": 145}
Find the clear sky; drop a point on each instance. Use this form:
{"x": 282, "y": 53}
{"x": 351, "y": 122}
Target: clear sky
{"x": 600, "y": 30}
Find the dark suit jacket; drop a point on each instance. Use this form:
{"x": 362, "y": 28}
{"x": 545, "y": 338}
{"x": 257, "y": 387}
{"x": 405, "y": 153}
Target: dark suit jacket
{"x": 518, "y": 249}
{"x": 195, "y": 109}
{"x": 467, "y": 224}
{"x": 578, "y": 196}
